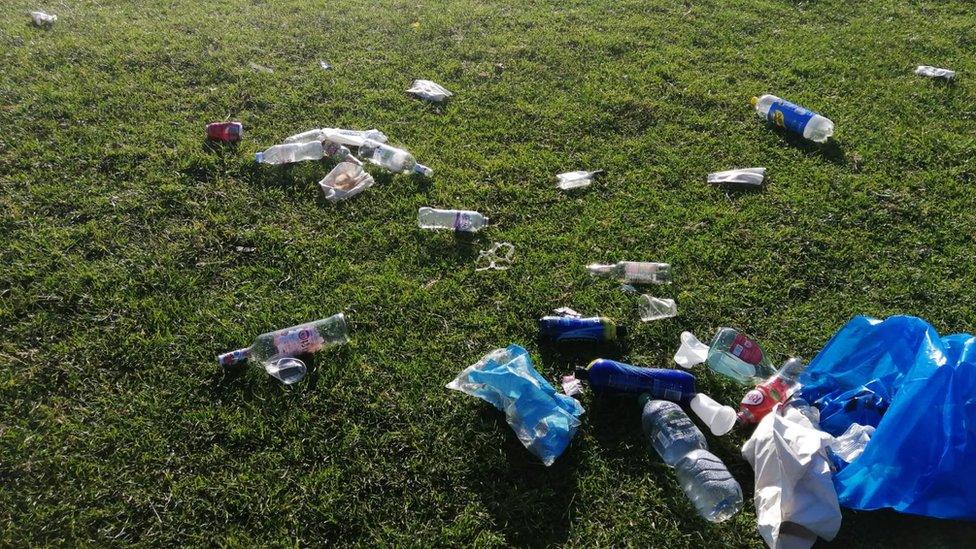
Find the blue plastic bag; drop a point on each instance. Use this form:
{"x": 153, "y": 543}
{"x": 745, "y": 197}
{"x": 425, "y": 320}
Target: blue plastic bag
{"x": 544, "y": 420}
{"x": 919, "y": 390}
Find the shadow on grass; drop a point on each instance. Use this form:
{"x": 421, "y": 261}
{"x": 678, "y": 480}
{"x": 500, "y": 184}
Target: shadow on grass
{"x": 860, "y": 527}
{"x": 457, "y": 248}
{"x": 831, "y": 151}
{"x": 530, "y": 502}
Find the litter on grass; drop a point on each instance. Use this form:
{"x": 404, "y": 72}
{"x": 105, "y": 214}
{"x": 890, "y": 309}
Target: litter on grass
{"x": 692, "y": 351}
{"x": 748, "y": 178}
{"x": 429, "y": 91}
{"x": 498, "y": 257}
{"x": 544, "y": 420}
{"x": 42, "y": 19}
{"x": 346, "y": 180}
{"x": 653, "y": 308}
{"x": 325, "y": 66}
{"x": 577, "y": 179}
{"x": 935, "y": 72}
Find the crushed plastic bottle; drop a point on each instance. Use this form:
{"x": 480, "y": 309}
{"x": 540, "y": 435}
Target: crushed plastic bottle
{"x": 705, "y": 480}
{"x": 391, "y": 158}
{"x": 456, "y": 220}
{"x": 259, "y": 68}
{"x": 634, "y": 272}
{"x": 935, "y": 72}
{"x": 794, "y": 118}
{"x": 747, "y": 178}
{"x": 42, "y": 19}
{"x": 429, "y": 90}
{"x": 228, "y": 132}
{"x": 778, "y": 388}
{"x": 287, "y": 153}
{"x": 735, "y": 355}
{"x": 275, "y": 351}
{"x": 652, "y": 308}
{"x": 574, "y": 180}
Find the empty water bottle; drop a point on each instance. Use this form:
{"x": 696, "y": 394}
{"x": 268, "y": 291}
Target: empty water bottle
{"x": 703, "y": 477}
{"x": 391, "y": 158}
{"x": 457, "y": 220}
{"x": 273, "y": 348}
{"x": 634, "y": 272}
{"x": 350, "y": 138}
{"x": 793, "y": 117}
{"x": 735, "y": 355}
{"x": 287, "y": 153}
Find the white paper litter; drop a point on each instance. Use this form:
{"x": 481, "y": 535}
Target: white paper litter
{"x": 346, "y": 180}
{"x": 577, "y": 179}
{"x": 934, "y": 72}
{"x": 42, "y": 19}
{"x": 746, "y": 177}
{"x": 429, "y": 91}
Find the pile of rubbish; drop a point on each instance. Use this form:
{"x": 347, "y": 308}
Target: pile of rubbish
{"x": 843, "y": 430}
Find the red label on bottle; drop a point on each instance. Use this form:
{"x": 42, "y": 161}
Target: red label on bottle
{"x": 746, "y": 349}
{"x": 301, "y": 340}
{"x": 761, "y": 400}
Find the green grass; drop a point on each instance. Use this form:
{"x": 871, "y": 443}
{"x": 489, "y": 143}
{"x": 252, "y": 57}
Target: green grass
{"x": 121, "y": 278}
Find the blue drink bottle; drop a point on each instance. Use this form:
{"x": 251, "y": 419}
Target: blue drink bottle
{"x": 567, "y": 328}
{"x": 609, "y": 375}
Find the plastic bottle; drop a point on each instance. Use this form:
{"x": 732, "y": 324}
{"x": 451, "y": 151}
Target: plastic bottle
{"x": 604, "y": 374}
{"x": 270, "y": 348}
{"x": 458, "y": 220}
{"x": 703, "y": 477}
{"x": 228, "y": 132}
{"x": 391, "y": 158}
{"x": 634, "y": 272}
{"x": 795, "y": 118}
{"x": 733, "y": 354}
{"x": 287, "y": 153}
{"x": 569, "y": 328}
{"x": 778, "y": 388}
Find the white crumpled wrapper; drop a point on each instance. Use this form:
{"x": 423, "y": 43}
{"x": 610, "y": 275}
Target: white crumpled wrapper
{"x": 745, "y": 177}
{"x": 429, "y": 91}
{"x": 935, "y": 72}
{"x": 42, "y": 19}
{"x": 344, "y": 181}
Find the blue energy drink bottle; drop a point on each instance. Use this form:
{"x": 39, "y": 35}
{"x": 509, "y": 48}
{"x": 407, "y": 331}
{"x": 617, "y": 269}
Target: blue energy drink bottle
{"x": 794, "y": 118}
{"x": 609, "y": 375}
{"x": 569, "y": 328}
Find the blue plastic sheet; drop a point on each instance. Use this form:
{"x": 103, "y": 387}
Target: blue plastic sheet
{"x": 919, "y": 390}
{"x": 544, "y": 420}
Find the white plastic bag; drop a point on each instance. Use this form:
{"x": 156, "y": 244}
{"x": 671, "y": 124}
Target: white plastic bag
{"x": 429, "y": 91}
{"x": 577, "y": 179}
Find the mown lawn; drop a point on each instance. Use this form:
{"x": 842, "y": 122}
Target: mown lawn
{"x": 131, "y": 253}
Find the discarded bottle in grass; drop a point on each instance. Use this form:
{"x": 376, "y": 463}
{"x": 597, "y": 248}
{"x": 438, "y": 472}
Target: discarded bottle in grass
{"x": 634, "y": 272}
{"x": 350, "y": 138}
{"x": 288, "y": 153}
{"x": 228, "y": 132}
{"x": 270, "y": 349}
{"x": 795, "y": 118}
{"x": 778, "y": 388}
{"x": 735, "y": 355}
{"x": 457, "y": 220}
{"x": 570, "y": 328}
{"x": 605, "y": 374}
{"x": 391, "y": 158}
{"x": 703, "y": 477}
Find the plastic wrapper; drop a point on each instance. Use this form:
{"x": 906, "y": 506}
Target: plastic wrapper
{"x": 429, "y": 91}
{"x": 544, "y": 420}
{"x": 920, "y": 389}
{"x": 346, "y": 180}
{"x": 935, "y": 72}
{"x": 746, "y": 178}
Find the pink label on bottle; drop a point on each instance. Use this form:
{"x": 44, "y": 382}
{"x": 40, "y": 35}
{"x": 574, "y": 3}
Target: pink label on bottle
{"x": 304, "y": 339}
{"x": 746, "y": 349}
{"x": 753, "y": 398}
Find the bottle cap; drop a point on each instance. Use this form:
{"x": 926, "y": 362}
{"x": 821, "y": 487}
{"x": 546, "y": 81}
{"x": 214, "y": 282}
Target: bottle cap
{"x": 754, "y": 100}
{"x": 259, "y": 157}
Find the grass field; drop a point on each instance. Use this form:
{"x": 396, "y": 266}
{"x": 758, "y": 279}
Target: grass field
{"x": 125, "y": 261}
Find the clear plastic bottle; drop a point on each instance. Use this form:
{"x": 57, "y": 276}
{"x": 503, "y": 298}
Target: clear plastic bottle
{"x": 391, "y": 158}
{"x": 458, "y": 220}
{"x": 270, "y": 348}
{"x": 634, "y": 272}
{"x": 287, "y": 153}
{"x": 735, "y": 355}
{"x": 709, "y": 485}
{"x": 670, "y": 431}
{"x": 703, "y": 477}
{"x": 793, "y": 117}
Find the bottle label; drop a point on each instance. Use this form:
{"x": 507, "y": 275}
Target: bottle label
{"x": 789, "y": 115}
{"x": 462, "y": 222}
{"x": 296, "y": 341}
{"x": 753, "y": 398}
{"x": 640, "y": 272}
{"x": 234, "y": 357}
{"x": 746, "y": 349}
{"x": 574, "y": 329}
